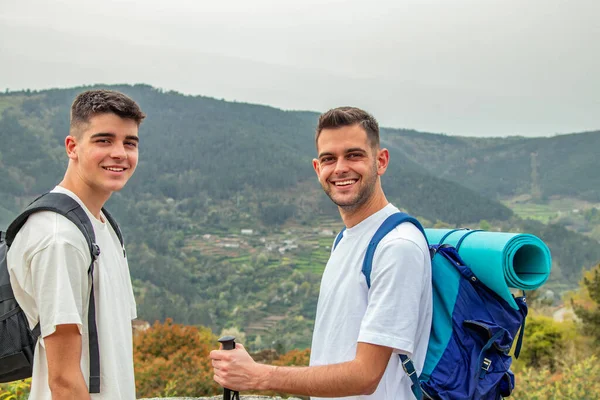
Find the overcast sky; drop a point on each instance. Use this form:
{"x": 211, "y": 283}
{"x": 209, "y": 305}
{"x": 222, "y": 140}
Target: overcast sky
{"x": 462, "y": 67}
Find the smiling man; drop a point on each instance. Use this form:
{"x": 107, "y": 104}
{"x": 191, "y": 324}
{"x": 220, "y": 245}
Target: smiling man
{"x": 359, "y": 331}
{"x": 49, "y": 259}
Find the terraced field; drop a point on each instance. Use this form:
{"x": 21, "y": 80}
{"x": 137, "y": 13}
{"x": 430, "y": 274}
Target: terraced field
{"x": 541, "y": 212}
{"x": 304, "y": 248}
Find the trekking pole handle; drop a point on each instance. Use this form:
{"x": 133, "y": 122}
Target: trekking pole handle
{"x": 228, "y": 343}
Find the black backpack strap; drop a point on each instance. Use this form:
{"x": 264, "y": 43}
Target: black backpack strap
{"x": 69, "y": 208}
{"x": 63, "y": 205}
{"x": 94, "y": 386}
{"x": 115, "y": 227}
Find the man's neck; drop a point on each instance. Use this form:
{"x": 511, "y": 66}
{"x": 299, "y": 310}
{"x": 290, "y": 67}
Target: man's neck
{"x": 352, "y": 218}
{"x": 93, "y": 200}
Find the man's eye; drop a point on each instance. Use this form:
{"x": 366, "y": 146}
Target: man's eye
{"x": 131, "y": 144}
{"x": 326, "y": 159}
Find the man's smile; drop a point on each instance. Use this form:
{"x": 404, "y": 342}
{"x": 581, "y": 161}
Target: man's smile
{"x": 346, "y": 182}
{"x": 115, "y": 169}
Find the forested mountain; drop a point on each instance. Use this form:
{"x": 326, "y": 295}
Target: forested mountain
{"x": 194, "y": 147}
{"x": 210, "y": 168}
{"x": 564, "y": 165}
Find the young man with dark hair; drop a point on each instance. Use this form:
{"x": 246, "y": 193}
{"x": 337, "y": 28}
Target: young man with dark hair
{"x": 359, "y": 331}
{"x": 49, "y": 259}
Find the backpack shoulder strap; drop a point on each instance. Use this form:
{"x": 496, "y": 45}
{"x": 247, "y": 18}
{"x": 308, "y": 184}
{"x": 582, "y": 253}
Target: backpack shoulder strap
{"x": 388, "y": 225}
{"x": 115, "y": 227}
{"x": 61, "y": 204}
{"x": 66, "y": 206}
{"x": 339, "y": 237}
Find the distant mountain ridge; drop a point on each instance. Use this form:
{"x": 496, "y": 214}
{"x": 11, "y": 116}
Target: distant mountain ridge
{"x": 193, "y": 145}
{"x": 562, "y": 165}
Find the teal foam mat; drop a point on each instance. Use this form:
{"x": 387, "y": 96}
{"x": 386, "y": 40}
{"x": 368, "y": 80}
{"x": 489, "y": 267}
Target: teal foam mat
{"x": 501, "y": 260}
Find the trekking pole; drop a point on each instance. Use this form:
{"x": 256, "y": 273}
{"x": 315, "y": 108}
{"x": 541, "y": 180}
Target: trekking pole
{"x": 228, "y": 343}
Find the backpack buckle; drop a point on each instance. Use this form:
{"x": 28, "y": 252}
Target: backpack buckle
{"x": 486, "y": 364}
{"x": 95, "y": 250}
{"x": 408, "y": 367}
{"x": 485, "y": 367}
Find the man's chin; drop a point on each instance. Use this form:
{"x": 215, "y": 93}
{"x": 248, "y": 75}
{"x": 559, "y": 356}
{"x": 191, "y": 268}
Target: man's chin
{"x": 115, "y": 187}
{"x": 346, "y": 204}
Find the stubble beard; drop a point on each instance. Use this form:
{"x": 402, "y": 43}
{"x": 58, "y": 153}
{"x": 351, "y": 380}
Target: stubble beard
{"x": 364, "y": 194}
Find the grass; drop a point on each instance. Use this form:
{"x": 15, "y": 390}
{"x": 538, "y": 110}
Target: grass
{"x": 540, "y": 212}
{"x": 325, "y": 242}
{"x": 564, "y": 210}
{"x": 239, "y": 260}
{"x": 313, "y": 268}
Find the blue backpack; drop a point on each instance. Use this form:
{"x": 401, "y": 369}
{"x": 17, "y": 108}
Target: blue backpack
{"x": 472, "y": 330}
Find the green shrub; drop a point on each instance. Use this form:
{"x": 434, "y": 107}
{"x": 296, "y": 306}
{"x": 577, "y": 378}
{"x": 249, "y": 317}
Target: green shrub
{"x": 579, "y": 381}
{"x": 18, "y": 390}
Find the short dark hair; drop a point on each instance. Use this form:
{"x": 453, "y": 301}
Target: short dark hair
{"x": 101, "y": 101}
{"x": 347, "y": 116}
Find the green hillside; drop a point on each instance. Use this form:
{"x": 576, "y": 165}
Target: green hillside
{"x": 210, "y": 168}
{"x": 564, "y": 165}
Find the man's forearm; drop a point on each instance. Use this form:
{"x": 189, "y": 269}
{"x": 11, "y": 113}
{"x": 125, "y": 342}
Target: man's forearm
{"x": 63, "y": 352}
{"x": 235, "y": 369}
{"x": 335, "y": 380}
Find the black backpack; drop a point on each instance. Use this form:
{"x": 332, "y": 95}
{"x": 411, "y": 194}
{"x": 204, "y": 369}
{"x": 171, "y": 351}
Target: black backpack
{"x": 17, "y": 340}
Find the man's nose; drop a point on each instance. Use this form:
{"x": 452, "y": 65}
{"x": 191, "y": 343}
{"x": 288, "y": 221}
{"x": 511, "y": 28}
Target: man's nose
{"x": 118, "y": 152}
{"x": 341, "y": 166}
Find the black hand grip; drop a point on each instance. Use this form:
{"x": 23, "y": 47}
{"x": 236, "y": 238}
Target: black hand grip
{"x": 228, "y": 343}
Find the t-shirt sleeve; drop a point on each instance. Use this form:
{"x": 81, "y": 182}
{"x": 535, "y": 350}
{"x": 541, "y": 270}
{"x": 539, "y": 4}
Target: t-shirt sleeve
{"x": 60, "y": 281}
{"x": 397, "y": 281}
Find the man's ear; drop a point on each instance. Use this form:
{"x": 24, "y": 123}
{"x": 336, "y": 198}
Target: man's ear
{"x": 383, "y": 160}
{"x": 70, "y": 146}
{"x": 316, "y": 166}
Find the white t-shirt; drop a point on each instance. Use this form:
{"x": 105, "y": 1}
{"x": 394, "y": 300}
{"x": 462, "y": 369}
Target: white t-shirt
{"x": 48, "y": 264}
{"x": 395, "y": 312}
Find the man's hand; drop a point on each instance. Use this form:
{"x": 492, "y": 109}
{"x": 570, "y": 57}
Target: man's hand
{"x": 236, "y": 370}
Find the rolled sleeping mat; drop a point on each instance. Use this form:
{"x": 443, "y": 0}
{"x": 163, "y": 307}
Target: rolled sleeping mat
{"x": 500, "y": 260}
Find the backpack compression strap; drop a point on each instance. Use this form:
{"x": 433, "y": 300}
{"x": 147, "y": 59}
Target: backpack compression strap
{"x": 388, "y": 225}
{"x": 463, "y": 237}
{"x": 64, "y": 205}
